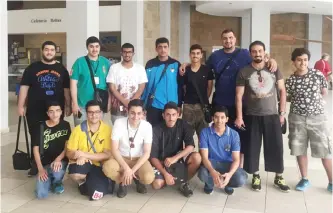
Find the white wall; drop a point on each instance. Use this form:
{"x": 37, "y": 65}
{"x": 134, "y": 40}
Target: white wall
{"x": 315, "y": 32}
{"x": 132, "y": 27}
{"x": 20, "y": 21}
{"x": 3, "y": 68}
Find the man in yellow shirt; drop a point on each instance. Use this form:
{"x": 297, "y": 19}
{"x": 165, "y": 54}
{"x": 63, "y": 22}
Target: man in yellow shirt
{"x": 88, "y": 147}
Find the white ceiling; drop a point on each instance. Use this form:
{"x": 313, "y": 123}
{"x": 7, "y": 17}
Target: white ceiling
{"x": 237, "y": 8}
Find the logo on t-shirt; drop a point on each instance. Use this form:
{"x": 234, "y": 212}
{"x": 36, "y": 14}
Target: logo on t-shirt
{"x": 262, "y": 84}
{"x": 48, "y": 80}
{"x": 48, "y": 137}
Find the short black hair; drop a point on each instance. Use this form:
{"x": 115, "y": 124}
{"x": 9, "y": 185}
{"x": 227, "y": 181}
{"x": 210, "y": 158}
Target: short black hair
{"x": 228, "y": 30}
{"x": 161, "y": 40}
{"x": 299, "y": 52}
{"x": 260, "y": 43}
{"x": 92, "y": 39}
{"x": 93, "y": 103}
{"x": 170, "y": 105}
{"x": 127, "y": 45}
{"x": 135, "y": 103}
{"x": 52, "y": 103}
{"x": 49, "y": 43}
{"x": 195, "y": 47}
{"x": 221, "y": 109}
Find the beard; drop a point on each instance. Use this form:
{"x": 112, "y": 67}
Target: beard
{"x": 48, "y": 60}
{"x": 228, "y": 48}
{"x": 257, "y": 60}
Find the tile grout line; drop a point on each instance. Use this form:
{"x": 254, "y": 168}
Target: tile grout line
{"x": 266, "y": 192}
{"x": 300, "y": 176}
{"x": 147, "y": 201}
{"x": 225, "y": 203}
{"x": 184, "y": 206}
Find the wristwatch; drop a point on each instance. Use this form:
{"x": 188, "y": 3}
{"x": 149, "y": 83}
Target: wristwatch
{"x": 282, "y": 113}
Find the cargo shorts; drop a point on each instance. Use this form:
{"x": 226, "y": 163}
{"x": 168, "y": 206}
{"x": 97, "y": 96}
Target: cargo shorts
{"x": 311, "y": 129}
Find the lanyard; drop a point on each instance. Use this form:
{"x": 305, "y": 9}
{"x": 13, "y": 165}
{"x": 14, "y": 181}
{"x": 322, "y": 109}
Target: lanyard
{"x": 131, "y": 139}
{"x": 95, "y": 71}
{"x": 93, "y": 142}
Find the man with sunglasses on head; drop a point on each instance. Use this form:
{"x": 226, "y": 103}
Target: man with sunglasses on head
{"x": 131, "y": 144}
{"x": 88, "y": 147}
{"x": 259, "y": 87}
{"x": 127, "y": 81}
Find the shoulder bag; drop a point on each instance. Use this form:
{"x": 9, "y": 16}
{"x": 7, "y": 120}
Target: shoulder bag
{"x": 100, "y": 95}
{"x": 207, "y": 109}
{"x": 21, "y": 160}
{"x": 227, "y": 64}
{"x": 152, "y": 92}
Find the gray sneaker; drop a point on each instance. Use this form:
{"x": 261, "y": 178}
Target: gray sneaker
{"x": 122, "y": 191}
{"x": 140, "y": 188}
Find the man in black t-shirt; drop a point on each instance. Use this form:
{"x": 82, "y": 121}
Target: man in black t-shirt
{"x": 42, "y": 81}
{"x": 49, "y": 152}
{"x": 173, "y": 147}
{"x": 197, "y": 78}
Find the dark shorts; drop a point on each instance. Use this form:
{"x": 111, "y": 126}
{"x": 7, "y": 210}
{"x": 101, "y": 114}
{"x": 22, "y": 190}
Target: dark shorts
{"x": 96, "y": 185}
{"x": 159, "y": 175}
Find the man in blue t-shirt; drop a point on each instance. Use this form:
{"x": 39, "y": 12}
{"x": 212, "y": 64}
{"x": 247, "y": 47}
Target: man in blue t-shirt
{"x": 162, "y": 86}
{"x": 220, "y": 153}
{"x": 229, "y": 61}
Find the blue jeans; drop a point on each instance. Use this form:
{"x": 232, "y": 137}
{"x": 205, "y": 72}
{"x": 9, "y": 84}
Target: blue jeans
{"x": 238, "y": 179}
{"x": 43, "y": 187}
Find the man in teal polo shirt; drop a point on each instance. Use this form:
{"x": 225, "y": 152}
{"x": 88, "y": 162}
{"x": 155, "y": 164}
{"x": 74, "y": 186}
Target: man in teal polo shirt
{"x": 81, "y": 86}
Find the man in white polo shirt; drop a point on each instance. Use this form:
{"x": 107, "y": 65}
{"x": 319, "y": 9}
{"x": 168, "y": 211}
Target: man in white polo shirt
{"x": 131, "y": 145}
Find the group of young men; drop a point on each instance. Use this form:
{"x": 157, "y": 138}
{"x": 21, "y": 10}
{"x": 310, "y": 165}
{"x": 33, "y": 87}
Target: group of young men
{"x": 149, "y": 143}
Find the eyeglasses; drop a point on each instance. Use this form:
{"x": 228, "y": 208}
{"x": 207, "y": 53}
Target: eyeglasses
{"x": 131, "y": 140}
{"x": 127, "y": 52}
{"x": 259, "y": 76}
{"x": 94, "y": 112}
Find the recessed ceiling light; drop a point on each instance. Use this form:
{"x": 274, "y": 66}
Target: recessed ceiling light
{"x": 313, "y": 7}
{"x": 230, "y": 3}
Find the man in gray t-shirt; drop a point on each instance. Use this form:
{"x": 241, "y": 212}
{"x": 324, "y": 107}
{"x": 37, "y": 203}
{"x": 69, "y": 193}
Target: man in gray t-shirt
{"x": 260, "y": 90}
{"x": 258, "y": 86}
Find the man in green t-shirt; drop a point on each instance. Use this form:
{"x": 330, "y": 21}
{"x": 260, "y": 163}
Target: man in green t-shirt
{"x": 81, "y": 85}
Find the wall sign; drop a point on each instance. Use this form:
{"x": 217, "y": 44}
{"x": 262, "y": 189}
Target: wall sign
{"x": 36, "y": 21}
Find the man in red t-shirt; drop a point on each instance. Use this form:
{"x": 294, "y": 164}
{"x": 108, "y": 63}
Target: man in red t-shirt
{"x": 325, "y": 68}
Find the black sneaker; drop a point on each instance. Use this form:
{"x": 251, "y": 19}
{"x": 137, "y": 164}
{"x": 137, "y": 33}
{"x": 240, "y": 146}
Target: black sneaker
{"x": 33, "y": 171}
{"x": 228, "y": 190}
{"x": 186, "y": 190}
{"x": 122, "y": 191}
{"x": 256, "y": 183}
{"x": 280, "y": 183}
{"x": 140, "y": 188}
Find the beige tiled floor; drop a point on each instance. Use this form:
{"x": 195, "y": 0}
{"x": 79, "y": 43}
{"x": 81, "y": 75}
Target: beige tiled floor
{"x": 17, "y": 191}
